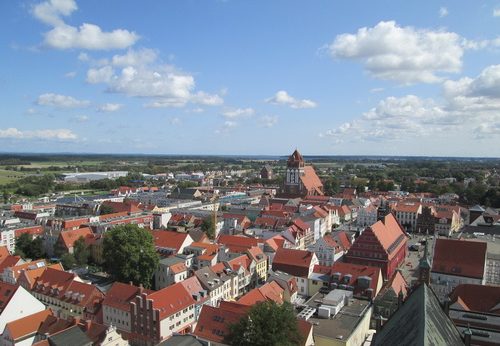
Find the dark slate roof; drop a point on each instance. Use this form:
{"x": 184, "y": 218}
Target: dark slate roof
{"x": 72, "y": 336}
{"x": 182, "y": 340}
{"x": 419, "y": 322}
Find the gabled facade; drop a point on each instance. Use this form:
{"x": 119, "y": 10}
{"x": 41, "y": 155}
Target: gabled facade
{"x": 158, "y": 315}
{"x": 383, "y": 245}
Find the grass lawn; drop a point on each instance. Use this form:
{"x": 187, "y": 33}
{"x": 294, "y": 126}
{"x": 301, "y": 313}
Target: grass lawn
{"x": 7, "y": 177}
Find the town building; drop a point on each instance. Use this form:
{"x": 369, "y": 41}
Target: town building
{"x": 300, "y": 180}
{"x": 383, "y": 245}
{"x": 298, "y": 263}
{"x": 457, "y": 262}
{"x": 419, "y": 321}
{"x": 160, "y": 314}
{"x": 407, "y": 214}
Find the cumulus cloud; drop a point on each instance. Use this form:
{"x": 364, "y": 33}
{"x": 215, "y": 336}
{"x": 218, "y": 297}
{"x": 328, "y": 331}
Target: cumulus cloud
{"x": 443, "y": 12}
{"x": 283, "y": 98}
{"x": 238, "y": 113}
{"x": 403, "y": 54}
{"x": 175, "y": 121}
{"x": 226, "y": 127}
{"x": 86, "y": 36}
{"x": 71, "y": 74}
{"x": 47, "y": 134}
{"x": 496, "y": 12}
{"x": 465, "y": 101}
{"x": 138, "y": 74}
{"x": 60, "y": 101}
{"x": 110, "y": 107}
{"x": 100, "y": 75}
{"x": 268, "y": 120}
{"x": 81, "y": 118}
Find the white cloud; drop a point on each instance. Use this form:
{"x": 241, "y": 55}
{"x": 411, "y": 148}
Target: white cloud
{"x": 283, "y": 98}
{"x": 110, "y": 107}
{"x": 81, "y": 118}
{"x": 87, "y": 36}
{"x": 466, "y": 101}
{"x": 47, "y": 134}
{"x": 71, "y": 74}
{"x": 443, "y": 12}
{"x": 140, "y": 57}
{"x": 138, "y": 74}
{"x": 60, "y": 101}
{"x": 238, "y": 113}
{"x": 31, "y": 111}
{"x": 496, "y": 12}
{"x": 175, "y": 121}
{"x": 403, "y": 54}
{"x": 100, "y": 75}
{"x": 226, "y": 127}
{"x": 268, "y": 120}
{"x": 205, "y": 99}
{"x": 50, "y": 12}
{"x": 83, "y": 57}
{"x": 376, "y": 90}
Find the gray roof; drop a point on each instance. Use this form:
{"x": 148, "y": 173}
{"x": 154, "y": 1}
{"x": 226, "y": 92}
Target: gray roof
{"x": 182, "y": 340}
{"x": 72, "y": 336}
{"x": 420, "y": 321}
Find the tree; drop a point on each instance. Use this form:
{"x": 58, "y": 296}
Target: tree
{"x": 106, "y": 209}
{"x": 81, "y": 252}
{"x": 208, "y": 227}
{"x": 36, "y": 250}
{"x": 23, "y": 243}
{"x": 68, "y": 261}
{"x": 27, "y": 247}
{"x": 267, "y": 323}
{"x": 130, "y": 255}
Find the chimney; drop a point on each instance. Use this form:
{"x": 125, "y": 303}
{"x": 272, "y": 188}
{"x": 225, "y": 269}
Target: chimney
{"x": 141, "y": 289}
{"x": 446, "y": 306}
{"x": 400, "y": 298}
{"x": 378, "y": 323}
{"x": 467, "y": 336}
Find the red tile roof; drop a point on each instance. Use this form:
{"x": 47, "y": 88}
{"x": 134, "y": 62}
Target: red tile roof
{"x": 387, "y": 233}
{"x": 27, "y": 326}
{"x": 238, "y": 241}
{"x": 68, "y": 238}
{"x": 126, "y": 206}
{"x": 293, "y": 262}
{"x": 311, "y": 180}
{"x": 6, "y": 293}
{"x": 213, "y": 323}
{"x": 270, "y": 291}
{"x": 9, "y": 261}
{"x": 459, "y": 258}
{"x": 478, "y": 298}
{"x": 344, "y": 240}
{"x": 405, "y": 207}
{"x": 171, "y": 299}
{"x": 4, "y": 253}
{"x": 169, "y": 239}
{"x": 120, "y": 295}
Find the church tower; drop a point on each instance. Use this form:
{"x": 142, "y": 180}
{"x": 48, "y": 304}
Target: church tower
{"x": 424, "y": 273}
{"x": 294, "y": 170}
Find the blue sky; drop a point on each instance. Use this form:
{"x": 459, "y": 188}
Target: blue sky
{"x": 251, "y": 77}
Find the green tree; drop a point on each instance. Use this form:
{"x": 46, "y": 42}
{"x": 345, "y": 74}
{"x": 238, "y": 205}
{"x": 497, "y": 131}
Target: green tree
{"x": 266, "y": 324}
{"x": 105, "y": 209}
{"x": 23, "y": 243}
{"x": 129, "y": 254}
{"x": 36, "y": 250}
{"x": 208, "y": 227}
{"x": 68, "y": 261}
{"x": 81, "y": 252}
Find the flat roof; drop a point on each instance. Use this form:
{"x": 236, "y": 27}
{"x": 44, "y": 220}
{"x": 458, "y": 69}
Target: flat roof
{"x": 342, "y": 325}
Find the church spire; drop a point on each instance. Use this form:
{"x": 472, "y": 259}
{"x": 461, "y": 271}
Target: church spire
{"x": 424, "y": 268}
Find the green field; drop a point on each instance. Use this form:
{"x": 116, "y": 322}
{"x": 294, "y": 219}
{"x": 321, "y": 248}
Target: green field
{"x": 7, "y": 177}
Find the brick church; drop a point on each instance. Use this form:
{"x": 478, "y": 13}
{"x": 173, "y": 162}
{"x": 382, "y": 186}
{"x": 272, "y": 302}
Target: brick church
{"x": 300, "y": 180}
